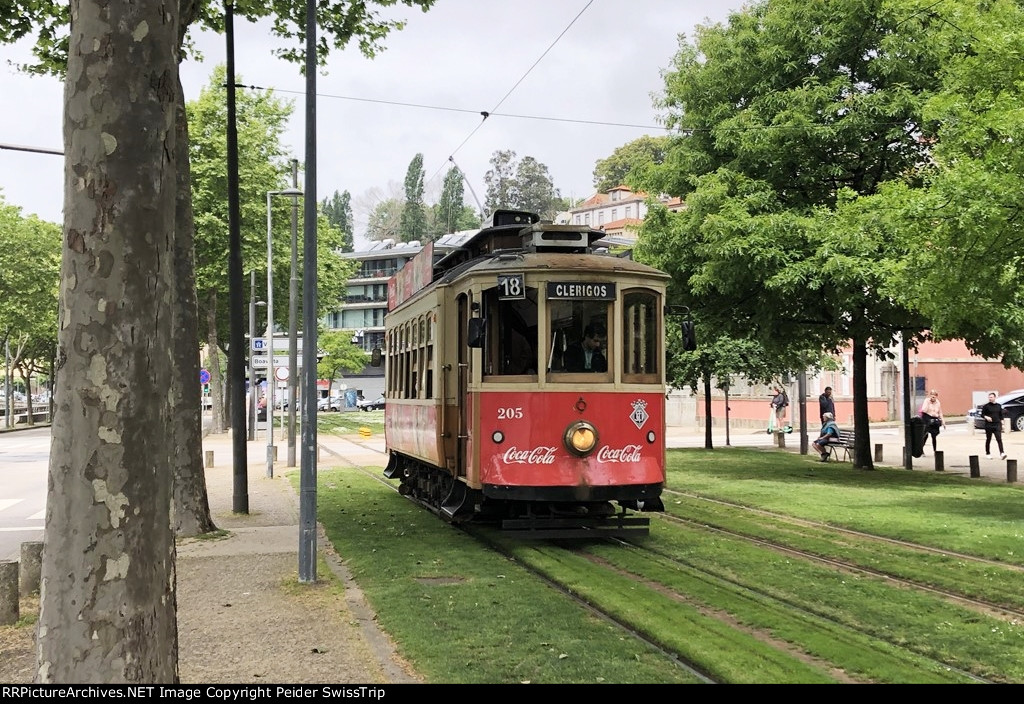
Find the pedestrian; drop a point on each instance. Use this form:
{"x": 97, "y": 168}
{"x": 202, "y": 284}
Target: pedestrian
{"x": 829, "y": 434}
{"x": 992, "y": 412}
{"x": 931, "y": 414}
{"x": 779, "y": 402}
{"x": 826, "y": 404}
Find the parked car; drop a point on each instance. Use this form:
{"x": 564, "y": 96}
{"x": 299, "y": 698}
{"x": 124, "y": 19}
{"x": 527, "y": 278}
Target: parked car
{"x": 374, "y": 405}
{"x": 334, "y": 403}
{"x": 1013, "y": 410}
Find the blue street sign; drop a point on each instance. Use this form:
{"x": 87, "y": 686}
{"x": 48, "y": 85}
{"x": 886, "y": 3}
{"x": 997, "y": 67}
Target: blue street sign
{"x": 204, "y": 376}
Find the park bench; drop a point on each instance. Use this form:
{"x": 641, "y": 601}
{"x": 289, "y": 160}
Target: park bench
{"x": 841, "y": 448}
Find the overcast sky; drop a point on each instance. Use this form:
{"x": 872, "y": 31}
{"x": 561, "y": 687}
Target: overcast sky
{"x": 568, "y": 81}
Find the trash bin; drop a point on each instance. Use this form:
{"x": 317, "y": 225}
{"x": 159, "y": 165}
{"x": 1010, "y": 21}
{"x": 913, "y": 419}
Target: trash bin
{"x": 917, "y": 435}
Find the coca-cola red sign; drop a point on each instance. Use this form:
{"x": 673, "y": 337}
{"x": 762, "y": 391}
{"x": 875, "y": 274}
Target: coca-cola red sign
{"x": 629, "y": 453}
{"x": 538, "y": 455}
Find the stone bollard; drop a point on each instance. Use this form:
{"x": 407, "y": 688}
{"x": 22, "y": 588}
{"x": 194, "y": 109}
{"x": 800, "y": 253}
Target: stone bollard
{"x": 9, "y": 607}
{"x": 975, "y": 468}
{"x": 209, "y": 458}
{"x": 30, "y": 567}
{"x": 1011, "y": 471}
{"x": 940, "y": 460}
{"x": 878, "y": 452}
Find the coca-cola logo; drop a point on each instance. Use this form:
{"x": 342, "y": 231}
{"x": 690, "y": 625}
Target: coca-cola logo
{"x": 629, "y": 453}
{"x": 538, "y": 455}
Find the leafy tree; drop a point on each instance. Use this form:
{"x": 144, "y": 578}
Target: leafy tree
{"x": 338, "y": 210}
{"x": 500, "y": 181}
{"x": 963, "y": 268}
{"x": 385, "y": 221}
{"x": 413, "y": 225}
{"x": 780, "y": 113}
{"x": 534, "y": 189}
{"x": 637, "y": 155}
{"x": 520, "y": 185}
{"x": 451, "y": 213}
{"x": 341, "y": 356}
{"x": 107, "y": 612}
{"x": 263, "y": 166}
{"x": 30, "y": 262}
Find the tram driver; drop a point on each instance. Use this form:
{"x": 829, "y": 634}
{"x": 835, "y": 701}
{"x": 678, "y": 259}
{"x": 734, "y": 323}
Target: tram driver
{"x": 586, "y": 355}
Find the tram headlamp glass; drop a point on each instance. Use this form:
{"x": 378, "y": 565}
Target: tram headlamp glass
{"x": 580, "y": 438}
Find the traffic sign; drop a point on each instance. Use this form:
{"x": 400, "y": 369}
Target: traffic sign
{"x": 204, "y": 376}
{"x": 281, "y": 373}
{"x": 263, "y": 361}
{"x": 281, "y": 344}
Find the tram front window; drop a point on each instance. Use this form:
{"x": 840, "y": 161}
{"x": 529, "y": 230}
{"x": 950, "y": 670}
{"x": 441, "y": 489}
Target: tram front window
{"x": 579, "y": 337}
{"x": 511, "y": 347}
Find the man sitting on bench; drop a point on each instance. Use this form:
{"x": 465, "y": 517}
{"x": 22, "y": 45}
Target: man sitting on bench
{"x": 829, "y": 435}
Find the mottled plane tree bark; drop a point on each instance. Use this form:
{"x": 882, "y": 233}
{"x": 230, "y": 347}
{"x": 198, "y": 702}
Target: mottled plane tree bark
{"x": 191, "y": 507}
{"x": 108, "y": 570}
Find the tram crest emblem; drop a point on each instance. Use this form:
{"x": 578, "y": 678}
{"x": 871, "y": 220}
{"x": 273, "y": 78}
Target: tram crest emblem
{"x": 639, "y": 415}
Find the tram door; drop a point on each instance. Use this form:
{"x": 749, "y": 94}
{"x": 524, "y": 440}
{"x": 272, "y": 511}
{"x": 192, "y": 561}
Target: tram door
{"x": 462, "y": 388}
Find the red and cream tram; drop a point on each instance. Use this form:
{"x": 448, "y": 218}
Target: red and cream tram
{"x": 488, "y": 418}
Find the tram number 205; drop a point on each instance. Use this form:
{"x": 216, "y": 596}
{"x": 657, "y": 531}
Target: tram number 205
{"x": 509, "y": 413}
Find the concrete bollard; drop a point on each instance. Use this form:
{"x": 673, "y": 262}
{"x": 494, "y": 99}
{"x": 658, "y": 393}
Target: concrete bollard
{"x": 209, "y": 458}
{"x": 878, "y": 452}
{"x": 940, "y": 461}
{"x": 1011, "y": 471}
{"x": 975, "y": 467}
{"x": 30, "y": 567}
{"x": 9, "y": 608}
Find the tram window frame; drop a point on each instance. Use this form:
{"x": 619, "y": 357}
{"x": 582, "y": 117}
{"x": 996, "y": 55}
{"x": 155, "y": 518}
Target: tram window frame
{"x": 567, "y": 319}
{"x": 509, "y": 329}
{"x": 642, "y": 335}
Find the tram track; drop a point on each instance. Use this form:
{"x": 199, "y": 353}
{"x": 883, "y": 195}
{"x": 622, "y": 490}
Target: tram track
{"x": 982, "y": 606}
{"x": 485, "y": 536}
{"x": 887, "y": 651}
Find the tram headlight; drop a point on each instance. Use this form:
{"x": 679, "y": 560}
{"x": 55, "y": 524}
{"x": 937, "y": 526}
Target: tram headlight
{"x": 580, "y": 438}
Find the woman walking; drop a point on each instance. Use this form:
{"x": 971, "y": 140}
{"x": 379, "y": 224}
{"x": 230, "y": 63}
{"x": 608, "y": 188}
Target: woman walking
{"x": 931, "y": 414}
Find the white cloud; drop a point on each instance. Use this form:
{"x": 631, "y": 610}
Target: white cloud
{"x": 463, "y": 55}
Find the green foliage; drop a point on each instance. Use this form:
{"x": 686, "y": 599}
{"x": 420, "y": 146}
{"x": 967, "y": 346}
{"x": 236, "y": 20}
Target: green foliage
{"x": 451, "y": 214}
{"x": 522, "y": 185}
{"x": 338, "y": 23}
{"x": 342, "y": 355}
{"x": 385, "y": 221}
{"x": 637, "y": 156}
{"x": 29, "y": 278}
{"x": 263, "y": 166}
{"x": 413, "y": 223}
{"x": 338, "y": 211}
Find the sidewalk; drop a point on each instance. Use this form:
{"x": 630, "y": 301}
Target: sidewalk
{"x": 242, "y": 615}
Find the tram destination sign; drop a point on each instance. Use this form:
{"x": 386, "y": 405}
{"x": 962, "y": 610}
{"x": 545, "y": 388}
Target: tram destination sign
{"x": 581, "y": 290}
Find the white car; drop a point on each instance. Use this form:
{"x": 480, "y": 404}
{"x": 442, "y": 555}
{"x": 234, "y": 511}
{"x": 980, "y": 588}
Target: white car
{"x": 334, "y": 403}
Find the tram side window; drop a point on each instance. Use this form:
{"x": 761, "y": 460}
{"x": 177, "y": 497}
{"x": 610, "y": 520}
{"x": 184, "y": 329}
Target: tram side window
{"x": 511, "y": 345}
{"x": 641, "y": 335}
{"x": 570, "y": 322}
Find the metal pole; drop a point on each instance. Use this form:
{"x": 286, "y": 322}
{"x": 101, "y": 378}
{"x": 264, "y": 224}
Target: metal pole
{"x": 307, "y": 472}
{"x": 271, "y": 379}
{"x": 252, "y": 371}
{"x": 236, "y": 379}
{"x": 293, "y": 322}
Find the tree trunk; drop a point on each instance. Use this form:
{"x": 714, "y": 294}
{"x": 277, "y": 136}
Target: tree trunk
{"x": 108, "y": 599}
{"x": 217, "y": 394}
{"x": 191, "y": 508}
{"x": 862, "y": 458}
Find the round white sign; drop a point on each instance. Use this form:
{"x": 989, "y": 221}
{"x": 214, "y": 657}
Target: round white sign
{"x": 281, "y": 373}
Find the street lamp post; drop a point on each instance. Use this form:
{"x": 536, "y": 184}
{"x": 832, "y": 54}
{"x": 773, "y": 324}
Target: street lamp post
{"x": 293, "y": 322}
{"x": 271, "y": 378}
